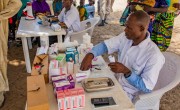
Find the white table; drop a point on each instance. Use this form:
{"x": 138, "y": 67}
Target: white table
{"x": 30, "y": 28}
{"x": 120, "y": 97}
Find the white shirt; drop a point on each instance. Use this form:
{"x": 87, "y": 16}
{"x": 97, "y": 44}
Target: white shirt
{"x": 145, "y": 59}
{"x": 70, "y": 18}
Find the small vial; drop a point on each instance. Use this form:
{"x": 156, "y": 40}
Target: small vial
{"x": 111, "y": 58}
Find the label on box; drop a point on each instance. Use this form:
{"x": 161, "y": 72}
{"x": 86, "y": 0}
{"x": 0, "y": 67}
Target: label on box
{"x": 58, "y": 78}
{"x": 70, "y": 67}
{"x": 70, "y": 57}
{"x": 63, "y": 70}
{"x": 53, "y": 64}
{"x": 61, "y": 101}
{"x": 67, "y": 99}
{"x": 61, "y": 83}
{"x": 74, "y": 98}
{"x": 81, "y": 96}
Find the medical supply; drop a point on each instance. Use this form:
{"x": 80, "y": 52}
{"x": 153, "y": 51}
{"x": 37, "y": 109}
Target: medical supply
{"x": 56, "y": 27}
{"x": 63, "y": 46}
{"x": 82, "y": 75}
{"x": 71, "y": 99}
{"x": 29, "y": 15}
{"x": 111, "y": 58}
{"x": 58, "y": 78}
{"x": 70, "y": 67}
{"x": 42, "y": 50}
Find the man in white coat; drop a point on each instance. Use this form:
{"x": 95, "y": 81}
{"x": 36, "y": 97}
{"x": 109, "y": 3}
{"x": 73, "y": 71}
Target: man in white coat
{"x": 8, "y": 8}
{"x": 69, "y": 17}
{"x": 139, "y": 59}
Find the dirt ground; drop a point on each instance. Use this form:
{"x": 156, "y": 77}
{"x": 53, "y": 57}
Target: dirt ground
{"x": 16, "y": 97}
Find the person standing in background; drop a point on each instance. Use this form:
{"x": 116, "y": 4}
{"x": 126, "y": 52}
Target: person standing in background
{"x": 90, "y": 8}
{"x": 112, "y": 2}
{"x": 8, "y": 8}
{"x": 83, "y": 15}
{"x": 163, "y": 26}
{"x": 104, "y": 9}
{"x": 14, "y": 21}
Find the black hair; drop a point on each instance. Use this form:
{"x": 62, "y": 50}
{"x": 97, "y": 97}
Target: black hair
{"x": 141, "y": 16}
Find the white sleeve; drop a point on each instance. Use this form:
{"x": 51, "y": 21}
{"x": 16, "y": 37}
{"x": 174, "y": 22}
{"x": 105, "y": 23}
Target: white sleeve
{"x": 60, "y": 16}
{"x": 151, "y": 71}
{"x": 115, "y": 43}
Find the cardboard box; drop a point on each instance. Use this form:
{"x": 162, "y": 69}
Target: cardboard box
{"x": 37, "y": 98}
{"x": 40, "y": 66}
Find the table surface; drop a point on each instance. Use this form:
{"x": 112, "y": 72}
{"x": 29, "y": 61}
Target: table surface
{"x": 30, "y": 28}
{"x": 121, "y": 99}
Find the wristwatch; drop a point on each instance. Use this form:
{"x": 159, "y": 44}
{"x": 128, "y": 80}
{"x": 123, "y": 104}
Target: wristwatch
{"x": 127, "y": 75}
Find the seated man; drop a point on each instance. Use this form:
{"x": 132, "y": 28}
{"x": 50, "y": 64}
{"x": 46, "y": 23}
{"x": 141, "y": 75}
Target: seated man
{"x": 69, "y": 17}
{"x": 139, "y": 59}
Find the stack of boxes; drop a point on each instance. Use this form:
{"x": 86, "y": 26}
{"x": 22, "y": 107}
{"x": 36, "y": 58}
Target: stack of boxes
{"x": 62, "y": 68}
{"x": 62, "y": 82}
{"x": 61, "y": 75}
{"x": 71, "y": 99}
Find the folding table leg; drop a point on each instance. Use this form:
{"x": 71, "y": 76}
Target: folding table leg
{"x": 29, "y": 42}
{"x": 59, "y": 38}
{"x": 26, "y": 54}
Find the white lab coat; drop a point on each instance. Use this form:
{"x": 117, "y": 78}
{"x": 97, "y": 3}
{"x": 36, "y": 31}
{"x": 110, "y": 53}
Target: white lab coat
{"x": 145, "y": 59}
{"x": 70, "y": 18}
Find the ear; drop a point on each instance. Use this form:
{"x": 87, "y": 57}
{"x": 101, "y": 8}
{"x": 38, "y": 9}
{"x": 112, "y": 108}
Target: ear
{"x": 142, "y": 28}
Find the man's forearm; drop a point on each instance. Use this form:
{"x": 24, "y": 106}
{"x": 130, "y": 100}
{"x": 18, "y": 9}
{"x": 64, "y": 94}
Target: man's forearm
{"x": 137, "y": 82}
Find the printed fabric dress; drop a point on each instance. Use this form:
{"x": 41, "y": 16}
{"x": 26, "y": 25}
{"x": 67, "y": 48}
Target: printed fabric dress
{"x": 163, "y": 26}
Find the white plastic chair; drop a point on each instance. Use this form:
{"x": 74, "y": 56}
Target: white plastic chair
{"x": 78, "y": 36}
{"x": 169, "y": 77}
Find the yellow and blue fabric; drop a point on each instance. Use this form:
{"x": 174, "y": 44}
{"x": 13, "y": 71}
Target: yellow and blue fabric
{"x": 83, "y": 15}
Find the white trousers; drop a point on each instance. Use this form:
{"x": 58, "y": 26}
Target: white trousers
{"x": 104, "y": 8}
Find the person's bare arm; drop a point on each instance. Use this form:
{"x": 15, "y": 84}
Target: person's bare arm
{"x": 117, "y": 67}
{"x": 63, "y": 25}
{"x": 176, "y": 5}
{"x": 156, "y": 10}
{"x": 87, "y": 61}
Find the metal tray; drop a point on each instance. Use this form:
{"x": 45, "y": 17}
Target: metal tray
{"x": 97, "y": 84}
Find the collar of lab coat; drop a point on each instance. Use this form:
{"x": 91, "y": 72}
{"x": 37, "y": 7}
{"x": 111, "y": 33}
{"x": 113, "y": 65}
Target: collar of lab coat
{"x": 145, "y": 42}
